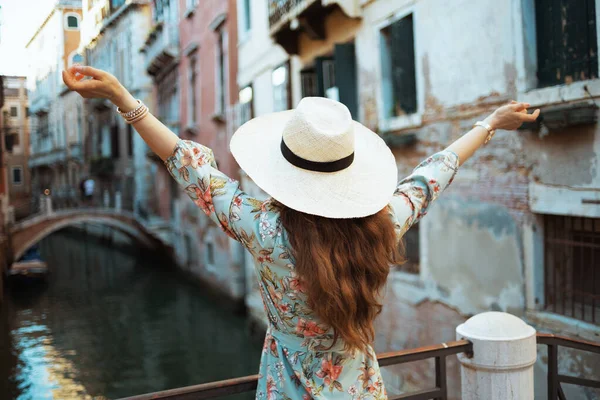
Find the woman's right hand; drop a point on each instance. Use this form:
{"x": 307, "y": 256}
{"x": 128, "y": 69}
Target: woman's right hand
{"x": 511, "y": 116}
{"x": 102, "y": 85}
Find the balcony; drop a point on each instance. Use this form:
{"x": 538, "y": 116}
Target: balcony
{"x": 47, "y": 157}
{"x": 289, "y": 18}
{"x": 161, "y": 48}
{"x": 40, "y": 103}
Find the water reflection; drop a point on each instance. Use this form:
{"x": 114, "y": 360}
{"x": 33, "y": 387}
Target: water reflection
{"x": 109, "y": 325}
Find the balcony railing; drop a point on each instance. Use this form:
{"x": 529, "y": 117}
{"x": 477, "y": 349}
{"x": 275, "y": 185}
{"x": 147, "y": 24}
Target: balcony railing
{"x": 161, "y": 47}
{"x": 438, "y": 352}
{"x": 249, "y": 383}
{"x": 281, "y": 11}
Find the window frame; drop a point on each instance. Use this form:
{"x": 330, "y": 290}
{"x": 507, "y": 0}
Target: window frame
{"x": 192, "y": 92}
{"x": 16, "y": 114}
{"x": 244, "y": 19}
{"x": 221, "y": 71}
{"x": 66, "y": 17}
{"x": 12, "y": 175}
{"x": 74, "y": 53}
{"x": 288, "y": 85}
{"x": 414, "y": 120}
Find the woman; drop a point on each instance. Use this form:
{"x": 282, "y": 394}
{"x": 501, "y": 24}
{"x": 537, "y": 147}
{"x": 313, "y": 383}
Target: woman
{"x": 324, "y": 242}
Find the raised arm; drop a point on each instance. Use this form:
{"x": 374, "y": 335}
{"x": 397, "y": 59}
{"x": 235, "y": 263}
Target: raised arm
{"x": 191, "y": 164}
{"x": 508, "y": 117}
{"x": 159, "y": 138}
{"x": 416, "y": 192}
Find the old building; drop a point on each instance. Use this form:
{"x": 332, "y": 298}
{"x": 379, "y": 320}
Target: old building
{"x": 161, "y": 50}
{"x": 15, "y": 126}
{"x": 518, "y": 230}
{"x": 113, "y": 33}
{"x": 208, "y": 90}
{"x": 56, "y": 155}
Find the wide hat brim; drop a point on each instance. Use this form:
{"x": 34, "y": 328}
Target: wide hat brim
{"x": 362, "y": 189}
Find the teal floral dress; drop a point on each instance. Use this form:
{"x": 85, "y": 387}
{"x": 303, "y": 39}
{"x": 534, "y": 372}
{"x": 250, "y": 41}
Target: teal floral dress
{"x": 296, "y": 361}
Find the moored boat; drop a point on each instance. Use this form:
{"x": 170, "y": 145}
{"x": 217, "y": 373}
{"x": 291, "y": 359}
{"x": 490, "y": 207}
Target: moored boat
{"x": 29, "y": 267}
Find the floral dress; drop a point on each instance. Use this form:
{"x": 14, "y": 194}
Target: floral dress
{"x": 297, "y": 361}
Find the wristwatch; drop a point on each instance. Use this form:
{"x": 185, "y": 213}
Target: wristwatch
{"x": 487, "y": 127}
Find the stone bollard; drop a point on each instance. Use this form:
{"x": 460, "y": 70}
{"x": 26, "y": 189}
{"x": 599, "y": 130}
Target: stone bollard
{"x": 504, "y": 351}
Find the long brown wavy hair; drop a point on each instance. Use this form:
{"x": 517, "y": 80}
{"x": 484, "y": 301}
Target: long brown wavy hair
{"x": 343, "y": 265}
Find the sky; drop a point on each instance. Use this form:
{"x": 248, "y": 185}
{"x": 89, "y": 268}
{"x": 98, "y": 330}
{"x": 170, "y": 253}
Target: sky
{"x": 19, "y": 19}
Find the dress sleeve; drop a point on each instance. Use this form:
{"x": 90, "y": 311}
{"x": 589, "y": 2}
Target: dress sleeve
{"x": 416, "y": 192}
{"x": 194, "y": 168}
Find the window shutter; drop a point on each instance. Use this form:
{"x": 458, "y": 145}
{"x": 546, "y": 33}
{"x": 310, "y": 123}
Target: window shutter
{"x": 345, "y": 76}
{"x": 403, "y": 65}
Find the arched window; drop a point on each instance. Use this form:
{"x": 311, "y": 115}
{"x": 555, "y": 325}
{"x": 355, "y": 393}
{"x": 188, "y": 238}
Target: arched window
{"x": 75, "y": 58}
{"x": 72, "y": 21}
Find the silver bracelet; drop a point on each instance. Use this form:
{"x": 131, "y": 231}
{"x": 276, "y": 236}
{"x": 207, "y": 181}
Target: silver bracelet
{"x": 487, "y": 127}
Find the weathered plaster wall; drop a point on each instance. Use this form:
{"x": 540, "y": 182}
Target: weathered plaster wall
{"x": 481, "y": 245}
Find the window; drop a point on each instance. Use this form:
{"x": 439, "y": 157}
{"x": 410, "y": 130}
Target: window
{"x": 114, "y": 142}
{"x": 72, "y": 21}
{"x": 210, "y": 253}
{"x": 191, "y": 4}
{"x": 567, "y": 45}
{"x": 411, "y": 250}
{"x": 221, "y": 89}
{"x": 75, "y": 58}
{"x": 245, "y": 16}
{"x": 192, "y": 91}
{"x": 43, "y": 125}
{"x": 280, "y": 79}
{"x": 114, "y": 4}
{"x": 246, "y": 97}
{"x": 333, "y": 76}
{"x": 308, "y": 78}
{"x": 571, "y": 258}
{"x": 17, "y": 175}
{"x": 14, "y": 111}
{"x": 27, "y": 114}
{"x": 129, "y": 140}
{"x": 398, "y": 68}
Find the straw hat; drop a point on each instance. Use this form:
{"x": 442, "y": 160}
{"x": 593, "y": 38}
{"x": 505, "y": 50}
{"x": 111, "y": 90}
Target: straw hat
{"x": 317, "y": 160}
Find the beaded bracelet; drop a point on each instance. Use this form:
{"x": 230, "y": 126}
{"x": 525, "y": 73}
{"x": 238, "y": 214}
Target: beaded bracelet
{"x": 139, "y": 117}
{"x": 130, "y": 114}
{"x": 136, "y": 114}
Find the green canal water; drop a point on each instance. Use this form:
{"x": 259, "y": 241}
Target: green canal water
{"x": 111, "y": 323}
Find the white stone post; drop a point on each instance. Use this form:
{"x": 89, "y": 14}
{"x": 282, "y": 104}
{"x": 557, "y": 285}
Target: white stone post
{"x": 48, "y": 200}
{"x": 504, "y": 351}
{"x": 118, "y": 201}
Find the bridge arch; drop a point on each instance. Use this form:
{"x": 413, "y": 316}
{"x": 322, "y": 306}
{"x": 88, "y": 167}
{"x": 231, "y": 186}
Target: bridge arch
{"x": 30, "y": 231}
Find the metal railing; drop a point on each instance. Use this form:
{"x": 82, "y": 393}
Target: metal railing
{"x": 249, "y": 383}
{"x": 555, "y": 379}
{"x": 439, "y": 352}
{"x": 278, "y": 9}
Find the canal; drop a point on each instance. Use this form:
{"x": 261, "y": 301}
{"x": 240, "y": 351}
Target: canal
{"x": 112, "y": 323}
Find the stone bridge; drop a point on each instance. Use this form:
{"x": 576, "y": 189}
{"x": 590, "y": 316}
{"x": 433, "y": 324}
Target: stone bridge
{"x": 26, "y": 233}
